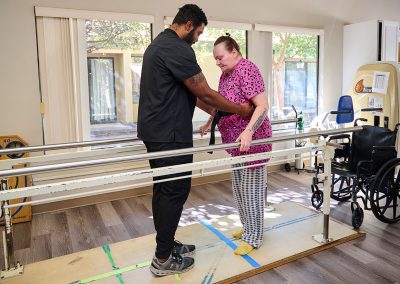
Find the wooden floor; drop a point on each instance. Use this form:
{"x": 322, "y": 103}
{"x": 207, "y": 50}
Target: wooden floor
{"x": 373, "y": 259}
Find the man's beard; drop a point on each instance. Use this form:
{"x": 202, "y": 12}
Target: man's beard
{"x": 189, "y": 38}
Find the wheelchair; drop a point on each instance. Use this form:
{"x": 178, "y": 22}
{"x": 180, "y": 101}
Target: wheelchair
{"x": 364, "y": 169}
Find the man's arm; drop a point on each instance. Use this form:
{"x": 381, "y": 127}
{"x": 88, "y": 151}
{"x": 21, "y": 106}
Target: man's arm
{"x": 199, "y": 87}
{"x": 207, "y": 108}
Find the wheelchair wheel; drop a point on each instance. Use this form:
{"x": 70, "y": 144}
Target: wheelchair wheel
{"x": 384, "y": 194}
{"x": 317, "y": 198}
{"x": 343, "y": 193}
{"x": 357, "y": 216}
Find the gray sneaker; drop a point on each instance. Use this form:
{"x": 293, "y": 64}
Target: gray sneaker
{"x": 182, "y": 249}
{"x": 174, "y": 264}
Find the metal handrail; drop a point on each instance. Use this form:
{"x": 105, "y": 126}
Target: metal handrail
{"x": 60, "y": 146}
{"x": 65, "y": 146}
{"x": 170, "y": 153}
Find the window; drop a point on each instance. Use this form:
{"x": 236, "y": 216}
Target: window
{"x": 294, "y": 76}
{"x": 136, "y": 68}
{"x": 89, "y": 68}
{"x": 102, "y": 90}
{"x": 113, "y": 109}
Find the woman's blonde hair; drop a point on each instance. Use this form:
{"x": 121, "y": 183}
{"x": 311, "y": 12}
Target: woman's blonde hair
{"x": 229, "y": 42}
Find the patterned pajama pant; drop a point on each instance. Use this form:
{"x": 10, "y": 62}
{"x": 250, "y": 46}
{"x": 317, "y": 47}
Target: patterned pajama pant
{"x": 249, "y": 195}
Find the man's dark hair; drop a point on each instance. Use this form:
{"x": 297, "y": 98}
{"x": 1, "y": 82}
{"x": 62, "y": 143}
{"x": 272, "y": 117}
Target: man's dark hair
{"x": 190, "y": 12}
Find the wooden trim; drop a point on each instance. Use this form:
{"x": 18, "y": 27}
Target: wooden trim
{"x": 86, "y": 14}
{"x": 219, "y": 24}
{"x": 272, "y": 28}
{"x": 303, "y": 254}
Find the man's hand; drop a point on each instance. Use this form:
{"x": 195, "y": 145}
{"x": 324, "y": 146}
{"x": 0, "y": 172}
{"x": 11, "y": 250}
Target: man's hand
{"x": 246, "y": 110}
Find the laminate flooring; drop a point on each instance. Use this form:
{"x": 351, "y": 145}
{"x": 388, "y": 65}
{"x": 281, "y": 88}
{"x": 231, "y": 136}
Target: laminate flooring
{"x": 373, "y": 259}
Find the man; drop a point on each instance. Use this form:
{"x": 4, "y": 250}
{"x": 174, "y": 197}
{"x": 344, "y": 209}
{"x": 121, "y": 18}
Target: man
{"x": 172, "y": 84}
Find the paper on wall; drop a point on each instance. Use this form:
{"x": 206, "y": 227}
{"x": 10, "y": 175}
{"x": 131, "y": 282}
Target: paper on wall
{"x": 380, "y": 82}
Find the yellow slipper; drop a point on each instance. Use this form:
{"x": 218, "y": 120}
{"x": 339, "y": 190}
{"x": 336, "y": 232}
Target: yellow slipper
{"x": 243, "y": 249}
{"x": 238, "y": 234}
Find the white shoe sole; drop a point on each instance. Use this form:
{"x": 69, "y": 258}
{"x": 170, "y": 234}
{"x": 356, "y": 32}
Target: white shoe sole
{"x": 160, "y": 272}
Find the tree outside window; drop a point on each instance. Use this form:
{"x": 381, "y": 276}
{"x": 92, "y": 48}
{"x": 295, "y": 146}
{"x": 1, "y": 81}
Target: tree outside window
{"x": 124, "y": 42}
{"x": 294, "y": 71}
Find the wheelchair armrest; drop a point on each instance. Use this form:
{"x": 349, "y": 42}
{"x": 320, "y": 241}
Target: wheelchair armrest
{"x": 340, "y": 136}
{"x": 396, "y": 128}
{"x": 359, "y": 119}
{"x": 384, "y": 148}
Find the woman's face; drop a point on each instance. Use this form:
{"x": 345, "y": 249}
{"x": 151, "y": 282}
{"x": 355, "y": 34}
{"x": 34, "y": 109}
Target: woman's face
{"x": 224, "y": 59}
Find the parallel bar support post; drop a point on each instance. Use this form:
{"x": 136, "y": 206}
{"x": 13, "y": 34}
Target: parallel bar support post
{"x": 11, "y": 267}
{"x": 328, "y": 156}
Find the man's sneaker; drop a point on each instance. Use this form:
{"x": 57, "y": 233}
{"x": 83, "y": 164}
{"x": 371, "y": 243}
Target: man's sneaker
{"x": 174, "y": 264}
{"x": 182, "y": 249}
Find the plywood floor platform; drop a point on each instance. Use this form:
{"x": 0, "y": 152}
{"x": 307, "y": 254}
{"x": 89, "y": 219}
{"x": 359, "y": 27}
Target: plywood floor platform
{"x": 287, "y": 236}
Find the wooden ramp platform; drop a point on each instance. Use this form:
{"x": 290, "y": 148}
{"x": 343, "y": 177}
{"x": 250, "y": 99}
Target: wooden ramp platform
{"x": 288, "y": 236}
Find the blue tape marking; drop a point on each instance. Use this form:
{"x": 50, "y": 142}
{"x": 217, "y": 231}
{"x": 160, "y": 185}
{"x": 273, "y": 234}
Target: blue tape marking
{"x": 231, "y": 244}
{"x": 290, "y": 222}
{"x": 209, "y": 279}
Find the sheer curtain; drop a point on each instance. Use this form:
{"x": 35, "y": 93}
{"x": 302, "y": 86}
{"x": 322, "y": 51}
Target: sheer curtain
{"x": 63, "y": 79}
{"x": 101, "y": 90}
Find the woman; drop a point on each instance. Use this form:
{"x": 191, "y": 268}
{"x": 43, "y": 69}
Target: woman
{"x": 241, "y": 82}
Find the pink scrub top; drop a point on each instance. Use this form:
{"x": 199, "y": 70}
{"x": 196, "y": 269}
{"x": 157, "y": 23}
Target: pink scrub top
{"x": 239, "y": 86}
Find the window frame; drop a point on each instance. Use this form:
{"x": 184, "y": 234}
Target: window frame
{"x": 319, "y": 32}
{"x": 91, "y": 113}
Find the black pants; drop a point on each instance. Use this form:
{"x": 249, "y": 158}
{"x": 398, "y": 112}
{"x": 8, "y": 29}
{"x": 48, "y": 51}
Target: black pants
{"x": 169, "y": 196}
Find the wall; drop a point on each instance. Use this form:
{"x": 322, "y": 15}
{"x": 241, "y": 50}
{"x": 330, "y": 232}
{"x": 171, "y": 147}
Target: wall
{"x": 19, "y": 86}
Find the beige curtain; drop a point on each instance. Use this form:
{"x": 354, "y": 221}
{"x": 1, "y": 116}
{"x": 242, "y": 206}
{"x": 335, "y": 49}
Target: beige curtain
{"x": 63, "y": 79}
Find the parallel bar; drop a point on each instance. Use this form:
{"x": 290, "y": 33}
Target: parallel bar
{"x": 93, "y": 143}
{"x": 135, "y": 178}
{"x": 283, "y": 121}
{"x": 65, "y": 146}
{"x": 135, "y": 185}
{"x": 163, "y": 154}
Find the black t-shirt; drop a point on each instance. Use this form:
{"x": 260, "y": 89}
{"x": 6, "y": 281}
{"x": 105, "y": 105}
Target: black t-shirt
{"x": 166, "y": 106}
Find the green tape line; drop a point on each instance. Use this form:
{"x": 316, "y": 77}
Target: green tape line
{"x": 107, "y": 250}
{"x": 112, "y": 273}
{"x": 117, "y": 271}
